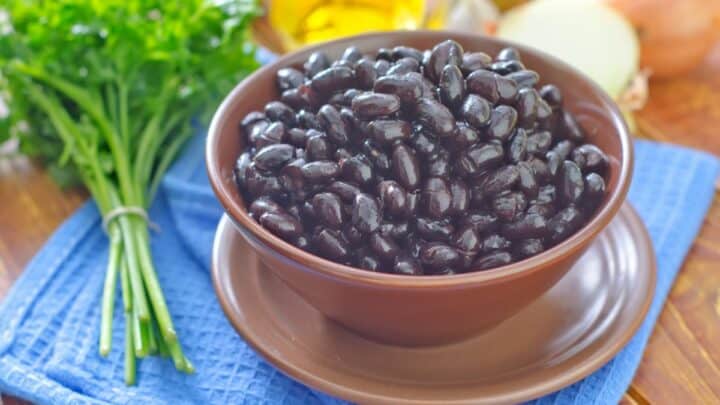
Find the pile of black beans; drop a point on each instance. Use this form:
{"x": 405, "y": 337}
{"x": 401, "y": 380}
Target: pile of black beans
{"x": 418, "y": 162}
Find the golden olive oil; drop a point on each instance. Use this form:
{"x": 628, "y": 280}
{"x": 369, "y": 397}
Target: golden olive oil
{"x": 302, "y": 22}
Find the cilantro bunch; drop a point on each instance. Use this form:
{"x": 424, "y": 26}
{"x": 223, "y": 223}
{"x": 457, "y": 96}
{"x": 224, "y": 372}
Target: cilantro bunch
{"x": 103, "y": 92}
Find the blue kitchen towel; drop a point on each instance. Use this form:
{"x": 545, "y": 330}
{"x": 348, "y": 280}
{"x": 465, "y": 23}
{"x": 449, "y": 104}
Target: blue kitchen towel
{"x": 49, "y": 320}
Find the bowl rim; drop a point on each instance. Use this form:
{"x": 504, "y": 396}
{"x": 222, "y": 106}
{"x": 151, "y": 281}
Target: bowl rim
{"x": 238, "y": 213}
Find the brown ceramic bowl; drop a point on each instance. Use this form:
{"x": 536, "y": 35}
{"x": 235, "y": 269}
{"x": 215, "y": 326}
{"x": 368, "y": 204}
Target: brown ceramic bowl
{"x": 409, "y": 310}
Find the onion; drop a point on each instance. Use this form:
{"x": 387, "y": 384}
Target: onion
{"x": 589, "y": 35}
{"x": 674, "y": 34}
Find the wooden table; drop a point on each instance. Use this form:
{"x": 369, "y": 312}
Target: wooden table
{"x": 682, "y": 361}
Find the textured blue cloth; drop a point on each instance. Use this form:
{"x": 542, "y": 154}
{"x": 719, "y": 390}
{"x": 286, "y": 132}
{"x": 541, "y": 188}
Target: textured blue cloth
{"x": 49, "y": 321}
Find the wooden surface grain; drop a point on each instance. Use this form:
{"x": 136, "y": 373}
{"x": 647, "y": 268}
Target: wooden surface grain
{"x": 681, "y": 364}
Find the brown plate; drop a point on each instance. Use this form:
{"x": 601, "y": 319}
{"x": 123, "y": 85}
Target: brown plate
{"x": 571, "y": 331}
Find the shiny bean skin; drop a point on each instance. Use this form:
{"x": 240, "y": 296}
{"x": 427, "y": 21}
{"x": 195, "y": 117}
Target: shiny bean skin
{"x": 486, "y": 156}
{"x": 527, "y": 183}
{"x": 297, "y": 137}
{"x": 494, "y": 242}
{"x": 366, "y": 214}
{"x": 393, "y": 198}
{"x": 460, "y": 197}
{"x": 387, "y": 132}
{"x": 528, "y": 226}
{"x": 423, "y": 143}
{"x": 445, "y": 53}
{"x": 241, "y": 165}
{"x": 473, "y": 61}
{"x": 378, "y": 157}
{"x": 316, "y": 62}
{"x": 500, "y": 180}
{"x": 518, "y": 146}
{"x": 250, "y": 119}
{"x": 438, "y": 165}
{"x": 437, "y": 255}
{"x": 302, "y": 97}
{"x": 333, "y": 124}
{"x": 509, "y": 206}
{"x": 321, "y": 171}
{"x": 330, "y": 244}
{"x": 291, "y": 176}
{"x": 407, "y": 265}
{"x": 524, "y": 78}
{"x": 481, "y": 222}
{"x": 274, "y": 156}
{"x": 279, "y": 111}
{"x": 539, "y": 142}
{"x": 368, "y": 261}
{"x": 435, "y": 230}
{"x": 590, "y": 158}
{"x": 507, "y": 54}
{"x": 381, "y": 67}
{"x": 318, "y": 146}
{"x": 552, "y": 95}
{"x": 289, "y": 78}
{"x": 357, "y": 169}
{"x": 527, "y": 107}
{"x": 527, "y": 247}
{"x": 491, "y": 260}
{"x": 400, "y": 52}
{"x": 384, "y": 54}
{"x": 328, "y": 209}
{"x": 571, "y": 184}
{"x": 273, "y": 133}
{"x": 554, "y": 161}
{"x": 467, "y": 240}
{"x": 564, "y": 223}
{"x": 372, "y": 105}
{"x": 281, "y": 224}
{"x": 563, "y": 149}
{"x": 435, "y": 116}
{"x": 452, "y": 86}
{"x": 346, "y": 191}
{"x": 404, "y": 65}
{"x": 465, "y": 136}
{"x": 502, "y": 122}
{"x": 483, "y": 83}
{"x": 571, "y": 128}
{"x": 259, "y": 184}
{"x": 594, "y": 187}
{"x": 406, "y": 167}
{"x": 384, "y": 247}
{"x": 404, "y": 87}
{"x": 333, "y": 79}
{"x": 308, "y": 120}
{"x": 351, "y": 54}
{"x": 476, "y": 111}
{"x": 436, "y": 197}
{"x": 263, "y": 205}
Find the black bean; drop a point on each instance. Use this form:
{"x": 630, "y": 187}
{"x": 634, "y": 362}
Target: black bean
{"x": 494, "y": 242}
{"x": 328, "y": 209}
{"x": 384, "y": 246}
{"x": 438, "y": 165}
{"x": 502, "y": 122}
{"x": 352, "y": 54}
{"x": 564, "y": 223}
{"x": 464, "y": 137}
{"x": 366, "y": 214}
{"x": 539, "y": 142}
{"x": 437, "y": 255}
{"x": 289, "y": 78}
{"x": 594, "y": 187}
{"x": 527, "y": 107}
{"x": 436, "y": 197}
{"x": 384, "y": 54}
{"x": 335, "y": 127}
{"x": 451, "y": 86}
{"x": 500, "y": 180}
{"x": 252, "y": 118}
{"x": 460, "y": 197}
{"x": 437, "y": 230}
{"x": 506, "y": 67}
{"x": 445, "y": 53}
{"x": 263, "y": 205}
{"x": 528, "y": 226}
{"x": 509, "y": 206}
{"x": 507, "y": 89}
{"x": 413, "y": 201}
{"x": 400, "y": 52}
{"x": 563, "y": 149}
{"x": 527, "y": 247}
{"x": 393, "y": 198}
{"x": 406, "y": 88}
{"x": 435, "y": 116}
{"x": 476, "y": 111}
{"x": 422, "y": 142}
{"x": 387, "y": 132}
{"x": 546, "y": 210}
{"x": 473, "y": 61}
{"x": 406, "y": 167}
{"x": 346, "y": 191}
{"x": 404, "y": 65}
{"x": 547, "y": 194}
{"x": 274, "y": 156}
{"x": 524, "y": 78}
{"x": 507, "y": 54}
{"x": 321, "y": 171}
{"x": 570, "y": 183}
{"x": 357, "y": 169}
{"x": 316, "y": 62}
{"x": 273, "y": 133}
{"x": 302, "y": 97}
{"x": 480, "y": 221}
{"x": 483, "y": 83}
{"x": 318, "y": 146}
{"x": 467, "y": 240}
{"x": 527, "y": 183}
{"x": 381, "y": 67}
{"x": 291, "y": 176}
{"x": 379, "y": 158}
{"x": 308, "y": 120}
{"x": 259, "y": 184}
{"x": 590, "y": 158}
{"x": 554, "y": 161}
{"x": 372, "y": 105}
{"x": 279, "y": 111}
{"x": 495, "y": 259}
{"x": 486, "y": 156}
{"x": 241, "y": 165}
{"x": 368, "y": 261}
{"x": 407, "y": 265}
{"x": 333, "y": 79}
{"x": 281, "y": 224}
{"x": 517, "y": 150}
{"x": 330, "y": 244}
{"x": 552, "y": 95}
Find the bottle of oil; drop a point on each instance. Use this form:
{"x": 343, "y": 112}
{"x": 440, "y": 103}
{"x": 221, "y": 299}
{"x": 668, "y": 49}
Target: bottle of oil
{"x": 302, "y": 22}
